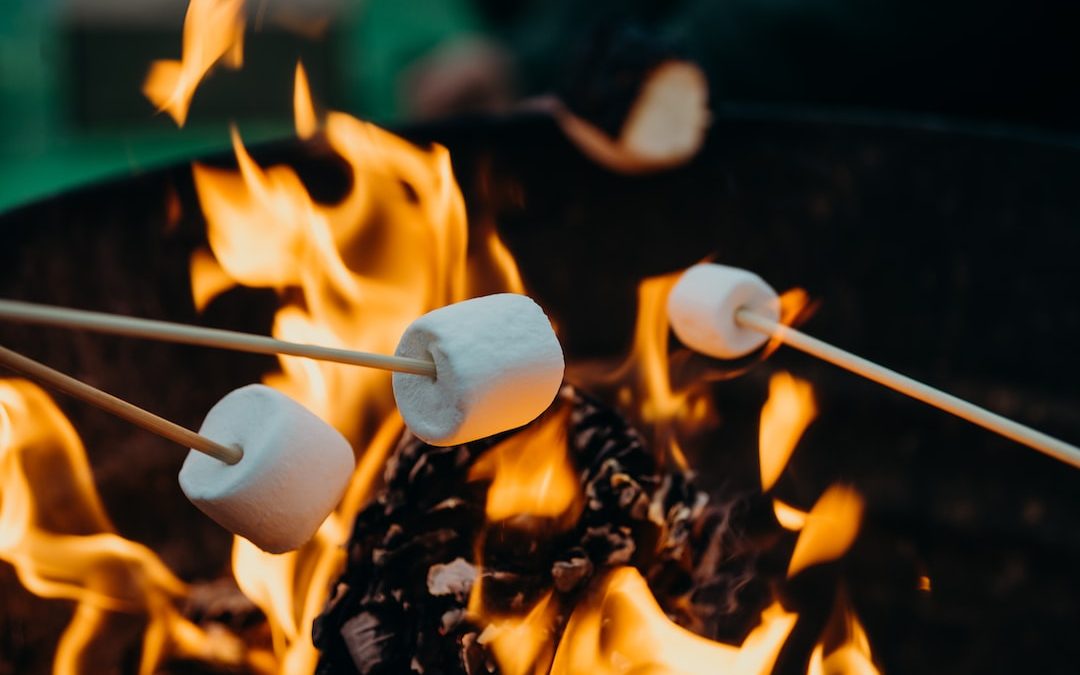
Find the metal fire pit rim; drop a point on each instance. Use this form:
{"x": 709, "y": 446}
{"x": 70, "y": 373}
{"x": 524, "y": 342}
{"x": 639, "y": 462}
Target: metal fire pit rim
{"x": 783, "y": 115}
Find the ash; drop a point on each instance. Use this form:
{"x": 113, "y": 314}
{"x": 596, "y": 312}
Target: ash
{"x": 400, "y": 605}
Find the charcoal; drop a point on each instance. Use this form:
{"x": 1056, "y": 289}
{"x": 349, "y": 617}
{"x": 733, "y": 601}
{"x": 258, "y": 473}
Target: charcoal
{"x": 400, "y": 605}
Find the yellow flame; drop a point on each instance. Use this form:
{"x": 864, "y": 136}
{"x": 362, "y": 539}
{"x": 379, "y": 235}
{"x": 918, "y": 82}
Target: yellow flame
{"x": 354, "y": 275}
{"x": 531, "y": 473}
{"x": 789, "y": 517}
{"x": 492, "y": 267}
{"x": 795, "y": 307}
{"x": 523, "y": 646}
{"x": 213, "y": 32}
{"x": 55, "y": 533}
{"x": 303, "y": 108}
{"x": 364, "y": 268}
{"x": 788, "y": 411}
{"x": 674, "y": 413}
{"x": 830, "y": 528}
{"x": 623, "y": 630}
{"x": 208, "y": 278}
{"x": 651, "y": 348}
{"x": 645, "y": 377}
{"x": 531, "y": 476}
{"x": 844, "y": 648}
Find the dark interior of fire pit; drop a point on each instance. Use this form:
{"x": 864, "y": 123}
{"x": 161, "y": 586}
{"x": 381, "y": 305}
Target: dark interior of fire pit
{"x": 946, "y": 254}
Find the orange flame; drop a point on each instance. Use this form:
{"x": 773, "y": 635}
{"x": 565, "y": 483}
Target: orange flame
{"x": 530, "y": 472}
{"x": 303, "y": 108}
{"x": 364, "y": 268}
{"x": 645, "y": 377}
{"x": 795, "y": 307}
{"x": 532, "y": 476}
{"x": 492, "y": 267}
{"x": 623, "y": 630}
{"x": 355, "y": 274}
{"x": 213, "y": 32}
{"x": 523, "y": 646}
{"x": 844, "y": 648}
{"x": 62, "y": 545}
{"x": 788, "y": 411}
{"x": 208, "y": 278}
{"x": 675, "y": 413}
{"x": 830, "y": 528}
{"x": 661, "y": 403}
{"x": 789, "y": 517}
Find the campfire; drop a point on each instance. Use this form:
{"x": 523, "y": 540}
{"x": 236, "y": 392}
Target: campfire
{"x": 591, "y": 533}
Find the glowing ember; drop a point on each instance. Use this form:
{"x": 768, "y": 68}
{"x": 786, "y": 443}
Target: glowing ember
{"x": 213, "y": 33}
{"x": 786, "y": 414}
{"x": 623, "y": 630}
{"x": 830, "y": 529}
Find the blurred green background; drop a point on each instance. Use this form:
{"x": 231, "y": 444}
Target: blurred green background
{"x": 71, "y": 110}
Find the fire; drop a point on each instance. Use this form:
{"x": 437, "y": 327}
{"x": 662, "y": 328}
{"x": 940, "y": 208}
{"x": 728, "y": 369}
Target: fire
{"x": 208, "y": 279}
{"x": 676, "y": 413}
{"x": 213, "y": 33}
{"x": 830, "y": 528}
{"x": 795, "y": 308}
{"x": 303, "y": 107}
{"x": 364, "y": 268}
{"x": 844, "y": 648}
{"x": 531, "y": 473}
{"x": 623, "y": 630}
{"x": 646, "y": 375}
{"x": 660, "y": 403}
{"x": 788, "y": 411}
{"x": 533, "y": 485}
{"x": 523, "y": 646}
{"x": 789, "y": 517}
{"x": 62, "y": 545}
{"x": 355, "y": 274}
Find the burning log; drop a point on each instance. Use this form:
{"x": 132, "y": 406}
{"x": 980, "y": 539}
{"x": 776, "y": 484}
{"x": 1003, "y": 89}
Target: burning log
{"x": 420, "y": 553}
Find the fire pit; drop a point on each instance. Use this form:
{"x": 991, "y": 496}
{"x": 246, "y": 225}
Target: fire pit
{"x": 670, "y": 512}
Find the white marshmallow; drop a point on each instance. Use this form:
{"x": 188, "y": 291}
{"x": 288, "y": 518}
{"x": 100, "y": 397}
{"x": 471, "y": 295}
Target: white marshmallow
{"x": 702, "y": 306}
{"x": 294, "y": 470}
{"x": 498, "y": 366}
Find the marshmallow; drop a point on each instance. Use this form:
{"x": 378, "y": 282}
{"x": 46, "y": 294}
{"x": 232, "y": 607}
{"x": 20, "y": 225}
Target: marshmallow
{"x": 294, "y": 470}
{"x": 498, "y": 366}
{"x": 667, "y": 123}
{"x": 702, "y": 306}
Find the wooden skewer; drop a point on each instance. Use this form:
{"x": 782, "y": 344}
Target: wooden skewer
{"x": 1020, "y": 433}
{"x": 114, "y": 324}
{"x": 119, "y": 407}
